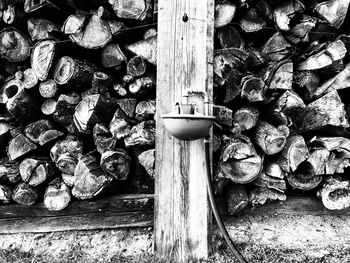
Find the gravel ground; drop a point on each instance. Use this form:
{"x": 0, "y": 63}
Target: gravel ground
{"x": 119, "y": 246}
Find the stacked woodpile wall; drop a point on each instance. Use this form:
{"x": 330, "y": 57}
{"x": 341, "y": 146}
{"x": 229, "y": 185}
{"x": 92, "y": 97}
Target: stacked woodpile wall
{"x": 282, "y": 75}
{"x": 77, "y": 99}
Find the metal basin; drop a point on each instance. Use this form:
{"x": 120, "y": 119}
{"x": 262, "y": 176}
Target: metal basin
{"x": 188, "y": 126}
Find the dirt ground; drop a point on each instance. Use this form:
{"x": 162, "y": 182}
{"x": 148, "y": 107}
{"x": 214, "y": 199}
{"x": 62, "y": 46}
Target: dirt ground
{"x": 135, "y": 245}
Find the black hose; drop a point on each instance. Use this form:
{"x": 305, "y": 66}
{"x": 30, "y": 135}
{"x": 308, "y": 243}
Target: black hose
{"x": 217, "y": 216}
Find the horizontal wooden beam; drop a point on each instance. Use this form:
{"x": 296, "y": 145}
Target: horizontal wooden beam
{"x": 295, "y": 223}
{"x": 105, "y": 213}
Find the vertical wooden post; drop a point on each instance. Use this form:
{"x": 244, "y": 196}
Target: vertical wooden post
{"x": 185, "y": 54}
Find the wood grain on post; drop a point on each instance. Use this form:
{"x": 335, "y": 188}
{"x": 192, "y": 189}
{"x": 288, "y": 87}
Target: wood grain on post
{"x": 185, "y": 54}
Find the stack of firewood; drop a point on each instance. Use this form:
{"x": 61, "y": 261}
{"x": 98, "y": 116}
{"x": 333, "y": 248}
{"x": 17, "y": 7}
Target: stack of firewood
{"x": 282, "y": 73}
{"x": 77, "y": 99}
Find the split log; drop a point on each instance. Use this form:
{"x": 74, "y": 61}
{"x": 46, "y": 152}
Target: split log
{"x": 145, "y": 110}
{"x": 24, "y": 194}
{"x": 317, "y": 161}
{"x": 335, "y": 194}
{"x": 20, "y": 105}
{"x": 239, "y": 161}
{"x": 150, "y": 33}
{"x": 229, "y": 37}
{"x": 294, "y": 153}
{"x": 9, "y": 171}
{"x": 280, "y": 75}
{"x": 237, "y": 199}
{"x": 120, "y": 126}
{"x": 104, "y": 140}
{"x": 91, "y": 110}
{"x": 252, "y": 21}
{"x": 40, "y": 29}
{"x": 339, "y": 153}
{"x": 99, "y": 85}
{"x": 136, "y": 67}
{"x": 337, "y": 162}
{"x": 339, "y": 81}
{"x": 334, "y": 52}
{"x": 246, "y": 117}
{"x": 116, "y": 163}
{"x": 285, "y": 12}
{"x": 5, "y": 135}
{"x": 13, "y": 16}
{"x": 57, "y": 195}
{"x": 261, "y": 195}
{"x": 68, "y": 179}
{"x": 277, "y": 48}
{"x": 308, "y": 82}
{"x": 66, "y": 153}
{"x": 143, "y": 134}
{"x": 42, "y": 132}
{"x": 300, "y": 32}
{"x": 139, "y": 10}
{"x": 30, "y": 79}
{"x": 15, "y": 47}
{"x": 5, "y": 194}
{"x": 333, "y": 11}
{"x": 287, "y": 108}
{"x": 304, "y": 181}
{"x": 273, "y": 169}
{"x": 49, "y": 107}
{"x": 263, "y": 180}
{"x": 120, "y": 90}
{"x": 36, "y": 171}
{"x": 147, "y": 160}
{"x": 48, "y": 89}
{"x": 253, "y": 88}
{"x": 128, "y": 106}
{"x": 116, "y": 27}
{"x": 42, "y": 57}
{"x": 75, "y": 73}
{"x": 112, "y": 56}
{"x": 19, "y": 146}
{"x": 90, "y": 179}
{"x": 146, "y": 48}
{"x": 325, "y": 111}
{"x": 223, "y": 115}
{"x": 65, "y": 109}
{"x": 127, "y": 79}
{"x": 224, "y": 13}
{"x": 269, "y": 138}
{"x": 143, "y": 86}
{"x": 34, "y": 5}
{"x": 88, "y": 32}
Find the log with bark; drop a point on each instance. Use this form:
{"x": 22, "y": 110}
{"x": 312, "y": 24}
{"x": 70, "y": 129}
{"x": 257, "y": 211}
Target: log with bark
{"x": 66, "y": 153}
{"x": 57, "y": 195}
{"x": 239, "y": 161}
{"x": 116, "y": 163}
{"x": 89, "y": 32}
{"x": 24, "y": 194}
{"x": 15, "y": 46}
{"x": 89, "y": 178}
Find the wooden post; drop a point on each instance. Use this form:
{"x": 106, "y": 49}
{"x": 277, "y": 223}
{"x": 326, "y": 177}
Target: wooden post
{"x": 185, "y": 54}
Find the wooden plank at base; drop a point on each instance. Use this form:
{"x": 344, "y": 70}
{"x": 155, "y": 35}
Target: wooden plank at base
{"x": 184, "y": 62}
{"x": 103, "y": 213}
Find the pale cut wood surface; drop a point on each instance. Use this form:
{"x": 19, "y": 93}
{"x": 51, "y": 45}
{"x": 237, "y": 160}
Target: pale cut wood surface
{"x": 185, "y": 53}
{"x": 105, "y": 213}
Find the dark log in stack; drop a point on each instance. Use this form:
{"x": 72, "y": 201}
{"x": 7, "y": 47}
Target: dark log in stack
{"x": 282, "y": 79}
{"x": 77, "y": 100}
